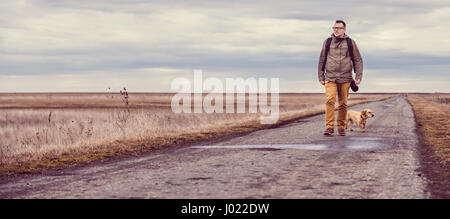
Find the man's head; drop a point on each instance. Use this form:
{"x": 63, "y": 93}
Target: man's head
{"x": 339, "y": 28}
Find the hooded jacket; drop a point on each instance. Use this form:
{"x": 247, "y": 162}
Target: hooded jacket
{"x": 339, "y": 66}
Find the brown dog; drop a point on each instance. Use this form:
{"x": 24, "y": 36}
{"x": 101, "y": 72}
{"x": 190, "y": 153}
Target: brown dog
{"x": 359, "y": 117}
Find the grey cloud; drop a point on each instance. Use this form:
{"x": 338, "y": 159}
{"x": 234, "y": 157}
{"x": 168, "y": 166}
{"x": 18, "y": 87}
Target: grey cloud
{"x": 403, "y": 61}
{"x": 119, "y": 56}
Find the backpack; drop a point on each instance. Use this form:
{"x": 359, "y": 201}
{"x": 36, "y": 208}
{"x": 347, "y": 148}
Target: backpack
{"x": 327, "y": 49}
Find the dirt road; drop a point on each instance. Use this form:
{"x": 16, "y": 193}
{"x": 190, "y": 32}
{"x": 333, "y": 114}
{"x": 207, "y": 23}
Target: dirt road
{"x": 292, "y": 161}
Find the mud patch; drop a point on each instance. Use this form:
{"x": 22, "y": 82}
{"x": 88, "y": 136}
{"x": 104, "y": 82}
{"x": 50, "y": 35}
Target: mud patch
{"x": 265, "y": 149}
{"x": 199, "y": 178}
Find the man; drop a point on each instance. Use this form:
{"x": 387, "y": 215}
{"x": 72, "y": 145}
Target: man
{"x": 335, "y": 72}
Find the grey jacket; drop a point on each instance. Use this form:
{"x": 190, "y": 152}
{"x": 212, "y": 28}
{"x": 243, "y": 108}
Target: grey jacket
{"x": 339, "y": 66}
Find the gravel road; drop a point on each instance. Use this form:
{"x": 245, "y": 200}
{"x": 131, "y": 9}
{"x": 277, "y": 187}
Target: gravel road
{"x": 291, "y": 161}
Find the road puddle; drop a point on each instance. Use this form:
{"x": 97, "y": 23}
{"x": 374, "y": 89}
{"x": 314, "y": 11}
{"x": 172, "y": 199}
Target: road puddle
{"x": 343, "y": 144}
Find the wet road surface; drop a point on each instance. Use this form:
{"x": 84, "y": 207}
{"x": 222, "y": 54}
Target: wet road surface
{"x": 292, "y": 161}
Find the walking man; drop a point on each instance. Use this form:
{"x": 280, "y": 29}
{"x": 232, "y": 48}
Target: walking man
{"x": 338, "y": 57}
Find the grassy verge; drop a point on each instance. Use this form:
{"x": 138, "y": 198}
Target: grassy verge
{"x": 431, "y": 113}
{"x": 78, "y": 156}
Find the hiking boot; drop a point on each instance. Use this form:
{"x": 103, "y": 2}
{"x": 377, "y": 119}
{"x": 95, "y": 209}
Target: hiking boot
{"x": 329, "y": 131}
{"x": 341, "y": 132}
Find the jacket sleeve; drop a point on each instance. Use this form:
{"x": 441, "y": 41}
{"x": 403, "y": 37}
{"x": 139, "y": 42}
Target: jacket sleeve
{"x": 321, "y": 61}
{"x": 358, "y": 61}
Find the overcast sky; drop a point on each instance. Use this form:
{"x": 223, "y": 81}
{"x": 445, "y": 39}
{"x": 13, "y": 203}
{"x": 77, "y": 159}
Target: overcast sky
{"x": 90, "y": 45}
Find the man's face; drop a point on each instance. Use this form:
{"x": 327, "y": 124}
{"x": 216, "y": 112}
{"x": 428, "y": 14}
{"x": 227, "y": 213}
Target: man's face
{"x": 338, "y": 29}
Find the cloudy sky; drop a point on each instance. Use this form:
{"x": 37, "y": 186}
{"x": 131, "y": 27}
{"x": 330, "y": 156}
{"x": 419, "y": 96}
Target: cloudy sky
{"x": 90, "y": 45}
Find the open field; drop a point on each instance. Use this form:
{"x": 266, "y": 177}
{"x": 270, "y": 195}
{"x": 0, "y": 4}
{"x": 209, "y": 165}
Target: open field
{"x": 293, "y": 160}
{"x": 432, "y": 116}
{"x": 41, "y": 130}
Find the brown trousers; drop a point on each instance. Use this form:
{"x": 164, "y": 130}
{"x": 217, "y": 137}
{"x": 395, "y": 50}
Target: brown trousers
{"x": 331, "y": 89}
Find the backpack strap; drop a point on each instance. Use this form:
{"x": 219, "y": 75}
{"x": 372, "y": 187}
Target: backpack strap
{"x": 350, "y": 50}
{"x": 327, "y": 49}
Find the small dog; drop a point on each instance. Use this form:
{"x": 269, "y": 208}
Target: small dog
{"x": 359, "y": 117}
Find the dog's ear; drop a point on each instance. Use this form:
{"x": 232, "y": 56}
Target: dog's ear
{"x": 364, "y": 112}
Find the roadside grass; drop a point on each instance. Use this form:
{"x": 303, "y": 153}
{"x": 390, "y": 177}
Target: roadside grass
{"x": 433, "y": 121}
{"x": 40, "y": 132}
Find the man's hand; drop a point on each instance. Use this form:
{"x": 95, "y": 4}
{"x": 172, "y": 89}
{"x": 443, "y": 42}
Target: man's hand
{"x": 358, "y": 81}
{"x": 322, "y": 82}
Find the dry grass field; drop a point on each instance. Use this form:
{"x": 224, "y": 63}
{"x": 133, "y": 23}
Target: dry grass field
{"x": 432, "y": 112}
{"x": 56, "y": 130}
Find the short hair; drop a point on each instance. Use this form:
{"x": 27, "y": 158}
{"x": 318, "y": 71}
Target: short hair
{"x": 342, "y": 22}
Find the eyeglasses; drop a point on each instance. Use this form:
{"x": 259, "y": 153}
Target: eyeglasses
{"x": 337, "y": 28}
